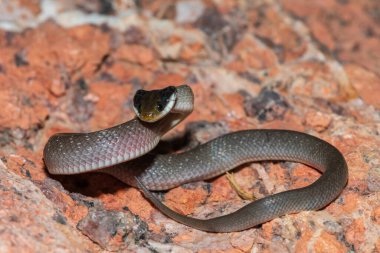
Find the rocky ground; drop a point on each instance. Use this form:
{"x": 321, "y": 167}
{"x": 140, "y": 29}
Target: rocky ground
{"x": 73, "y": 66}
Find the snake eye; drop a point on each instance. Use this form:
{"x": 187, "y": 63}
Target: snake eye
{"x": 160, "y": 107}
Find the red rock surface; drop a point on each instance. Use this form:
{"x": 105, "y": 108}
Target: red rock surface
{"x": 311, "y": 66}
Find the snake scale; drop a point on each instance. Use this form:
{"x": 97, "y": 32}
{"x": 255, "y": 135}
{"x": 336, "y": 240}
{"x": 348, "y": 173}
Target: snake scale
{"x": 123, "y": 151}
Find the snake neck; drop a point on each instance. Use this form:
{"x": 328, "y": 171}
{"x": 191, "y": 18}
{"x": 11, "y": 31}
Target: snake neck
{"x": 171, "y": 121}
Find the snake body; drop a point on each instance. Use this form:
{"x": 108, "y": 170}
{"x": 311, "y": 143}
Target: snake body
{"x": 109, "y": 149}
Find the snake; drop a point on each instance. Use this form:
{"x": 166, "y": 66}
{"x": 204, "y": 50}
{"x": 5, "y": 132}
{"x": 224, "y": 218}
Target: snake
{"x": 125, "y": 152}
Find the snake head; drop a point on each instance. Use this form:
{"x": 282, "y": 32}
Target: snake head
{"x": 153, "y": 105}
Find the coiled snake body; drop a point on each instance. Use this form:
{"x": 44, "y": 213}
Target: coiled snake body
{"x": 160, "y": 110}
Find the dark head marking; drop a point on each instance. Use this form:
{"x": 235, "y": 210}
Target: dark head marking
{"x": 152, "y": 105}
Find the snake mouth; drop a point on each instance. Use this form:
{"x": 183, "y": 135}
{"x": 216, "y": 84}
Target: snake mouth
{"x": 151, "y": 106}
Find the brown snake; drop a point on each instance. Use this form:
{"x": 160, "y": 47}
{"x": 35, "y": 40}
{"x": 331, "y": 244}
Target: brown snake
{"x": 160, "y": 110}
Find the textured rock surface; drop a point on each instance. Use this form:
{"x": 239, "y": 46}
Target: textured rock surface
{"x": 31, "y": 223}
{"x": 75, "y": 65}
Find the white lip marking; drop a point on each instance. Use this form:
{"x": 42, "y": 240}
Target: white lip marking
{"x": 169, "y": 106}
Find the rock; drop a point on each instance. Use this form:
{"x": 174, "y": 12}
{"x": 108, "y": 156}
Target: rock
{"x": 331, "y": 23}
{"x": 73, "y": 66}
{"x": 360, "y": 78}
{"x": 267, "y": 106}
{"x": 188, "y": 11}
{"x": 113, "y": 230}
{"x": 318, "y": 120}
{"x": 30, "y": 222}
